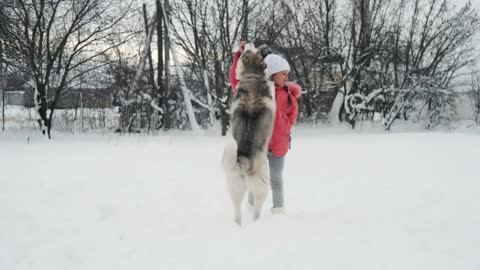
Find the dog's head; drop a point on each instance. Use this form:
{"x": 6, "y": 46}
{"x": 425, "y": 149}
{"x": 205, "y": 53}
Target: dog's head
{"x": 251, "y": 61}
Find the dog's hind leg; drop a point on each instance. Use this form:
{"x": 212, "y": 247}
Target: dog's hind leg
{"x": 261, "y": 182}
{"x": 259, "y": 195}
{"x": 237, "y": 191}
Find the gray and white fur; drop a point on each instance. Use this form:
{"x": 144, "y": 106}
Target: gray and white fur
{"x": 245, "y": 160}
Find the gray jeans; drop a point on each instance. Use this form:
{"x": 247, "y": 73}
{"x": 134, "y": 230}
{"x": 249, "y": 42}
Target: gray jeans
{"x": 276, "y": 180}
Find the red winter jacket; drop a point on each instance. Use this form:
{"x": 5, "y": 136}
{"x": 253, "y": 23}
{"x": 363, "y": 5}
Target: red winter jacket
{"x": 285, "y": 116}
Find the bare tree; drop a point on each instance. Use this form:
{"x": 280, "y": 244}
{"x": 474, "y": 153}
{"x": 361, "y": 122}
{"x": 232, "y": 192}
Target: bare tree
{"x": 439, "y": 44}
{"x": 227, "y": 16}
{"x": 207, "y": 34}
{"x": 138, "y": 103}
{"x": 197, "y": 28}
{"x": 150, "y": 74}
{"x": 380, "y": 56}
{"x": 400, "y": 55}
{"x": 57, "y": 37}
{"x": 307, "y": 34}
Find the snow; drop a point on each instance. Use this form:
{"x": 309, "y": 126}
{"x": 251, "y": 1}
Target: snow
{"x": 355, "y": 200}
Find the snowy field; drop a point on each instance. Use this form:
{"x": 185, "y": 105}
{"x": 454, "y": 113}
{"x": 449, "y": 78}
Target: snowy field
{"x": 355, "y": 200}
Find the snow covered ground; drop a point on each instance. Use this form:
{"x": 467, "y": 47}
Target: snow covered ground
{"x": 355, "y": 200}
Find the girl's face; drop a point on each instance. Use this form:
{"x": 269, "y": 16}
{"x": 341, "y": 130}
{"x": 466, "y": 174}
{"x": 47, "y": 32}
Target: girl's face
{"x": 280, "y": 78}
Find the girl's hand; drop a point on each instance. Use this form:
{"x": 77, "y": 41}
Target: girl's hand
{"x": 242, "y": 45}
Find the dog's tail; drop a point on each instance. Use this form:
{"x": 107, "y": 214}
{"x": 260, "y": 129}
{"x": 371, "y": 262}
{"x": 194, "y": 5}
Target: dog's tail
{"x": 231, "y": 162}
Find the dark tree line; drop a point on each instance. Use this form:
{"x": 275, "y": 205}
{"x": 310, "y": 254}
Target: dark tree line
{"x": 394, "y": 58}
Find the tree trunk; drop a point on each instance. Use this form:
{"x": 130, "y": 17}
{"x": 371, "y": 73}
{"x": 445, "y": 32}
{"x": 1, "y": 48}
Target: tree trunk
{"x": 3, "y": 80}
{"x": 151, "y": 76}
{"x": 127, "y": 121}
{"x": 334, "y": 114}
{"x": 166, "y": 87}
{"x": 161, "y": 87}
{"x": 3, "y": 110}
{"x": 245, "y": 20}
{"x": 53, "y": 105}
{"x": 160, "y": 45}
{"x": 40, "y": 100}
{"x": 146, "y": 49}
{"x": 209, "y": 96}
{"x": 220, "y": 91}
{"x": 185, "y": 91}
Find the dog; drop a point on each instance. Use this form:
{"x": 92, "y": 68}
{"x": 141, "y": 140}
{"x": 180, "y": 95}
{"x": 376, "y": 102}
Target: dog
{"x": 245, "y": 162}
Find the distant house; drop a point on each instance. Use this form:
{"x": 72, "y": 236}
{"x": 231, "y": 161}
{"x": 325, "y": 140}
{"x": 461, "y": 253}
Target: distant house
{"x": 13, "y": 94}
{"x": 14, "y": 98}
{"x": 76, "y": 98}
{"x": 21, "y": 93}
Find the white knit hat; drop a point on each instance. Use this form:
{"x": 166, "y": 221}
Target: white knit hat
{"x": 275, "y": 63}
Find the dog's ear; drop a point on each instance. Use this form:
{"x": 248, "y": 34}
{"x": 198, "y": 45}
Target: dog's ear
{"x": 249, "y": 46}
{"x": 264, "y": 50}
{"x": 263, "y": 65}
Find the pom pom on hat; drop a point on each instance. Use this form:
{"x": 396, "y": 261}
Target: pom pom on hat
{"x": 275, "y": 63}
